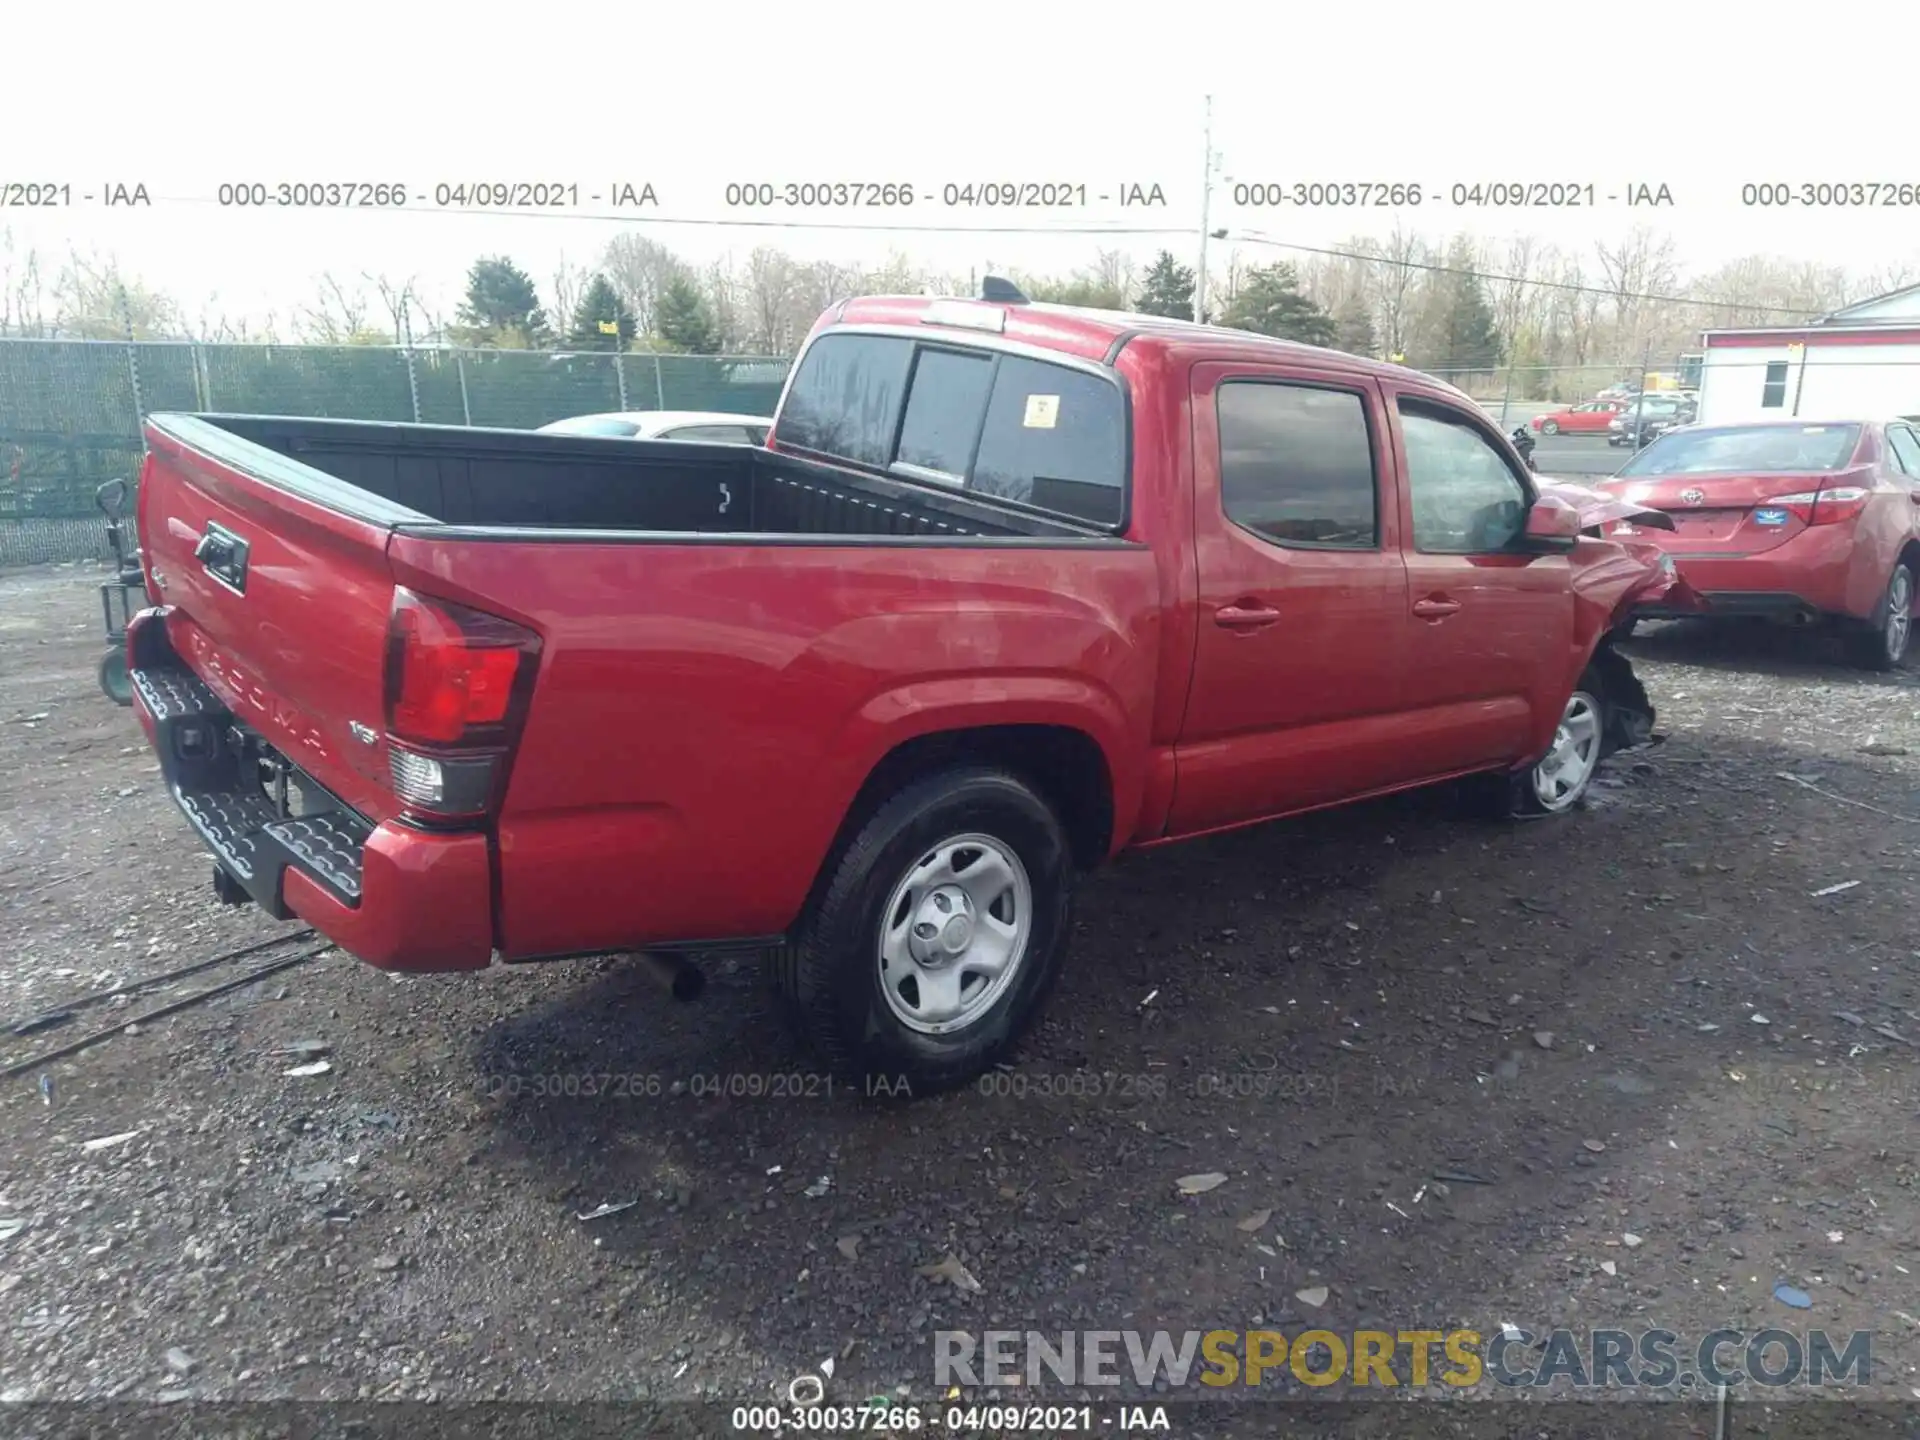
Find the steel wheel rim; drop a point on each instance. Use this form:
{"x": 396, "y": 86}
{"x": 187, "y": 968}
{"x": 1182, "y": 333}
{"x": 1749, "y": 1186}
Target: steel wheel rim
{"x": 1899, "y": 615}
{"x": 954, "y": 934}
{"x": 1561, "y": 776}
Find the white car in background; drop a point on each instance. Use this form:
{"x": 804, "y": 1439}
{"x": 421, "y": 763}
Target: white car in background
{"x": 713, "y": 426}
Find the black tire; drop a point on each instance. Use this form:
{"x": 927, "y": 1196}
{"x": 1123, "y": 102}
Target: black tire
{"x": 828, "y": 976}
{"x": 1878, "y": 643}
{"x": 115, "y": 684}
{"x": 1549, "y": 427}
{"x": 1515, "y": 797}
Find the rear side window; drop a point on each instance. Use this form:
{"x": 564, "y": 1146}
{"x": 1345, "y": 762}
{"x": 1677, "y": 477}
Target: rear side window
{"x": 1019, "y": 429}
{"x": 1296, "y": 465}
{"x": 1906, "y": 449}
{"x": 1055, "y": 438}
{"x": 716, "y": 434}
{"x": 847, "y": 397}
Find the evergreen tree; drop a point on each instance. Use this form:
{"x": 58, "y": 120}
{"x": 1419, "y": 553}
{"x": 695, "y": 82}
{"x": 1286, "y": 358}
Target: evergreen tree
{"x": 599, "y": 307}
{"x": 1167, "y": 289}
{"x": 684, "y": 321}
{"x": 1269, "y": 302}
{"x": 502, "y": 307}
{"x": 1467, "y": 340}
{"x": 1353, "y": 327}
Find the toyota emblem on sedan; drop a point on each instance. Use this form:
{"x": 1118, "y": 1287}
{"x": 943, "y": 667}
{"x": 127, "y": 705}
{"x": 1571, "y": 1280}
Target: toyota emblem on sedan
{"x": 1693, "y": 497}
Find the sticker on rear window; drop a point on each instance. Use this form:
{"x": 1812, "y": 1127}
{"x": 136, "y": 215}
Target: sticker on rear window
{"x": 1043, "y": 412}
{"x": 1770, "y": 517}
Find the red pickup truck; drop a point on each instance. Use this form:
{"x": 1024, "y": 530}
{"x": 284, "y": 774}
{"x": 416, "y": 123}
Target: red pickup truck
{"x": 1011, "y": 589}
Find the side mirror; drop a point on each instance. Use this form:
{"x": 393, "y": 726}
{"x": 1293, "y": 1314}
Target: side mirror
{"x": 1552, "y": 524}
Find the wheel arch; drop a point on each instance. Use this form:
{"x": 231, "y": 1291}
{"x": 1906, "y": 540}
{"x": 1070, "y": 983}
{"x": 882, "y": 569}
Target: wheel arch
{"x": 1063, "y": 763}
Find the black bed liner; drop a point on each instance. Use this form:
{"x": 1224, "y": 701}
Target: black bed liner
{"x": 516, "y": 480}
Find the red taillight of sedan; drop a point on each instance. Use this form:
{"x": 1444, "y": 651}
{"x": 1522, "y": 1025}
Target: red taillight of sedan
{"x": 1824, "y": 507}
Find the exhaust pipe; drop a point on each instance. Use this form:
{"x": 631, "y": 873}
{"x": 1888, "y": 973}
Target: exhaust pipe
{"x": 677, "y": 974}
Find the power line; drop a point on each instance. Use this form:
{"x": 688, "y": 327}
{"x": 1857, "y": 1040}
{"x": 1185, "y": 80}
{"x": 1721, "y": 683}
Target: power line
{"x": 1563, "y": 285}
{"x": 951, "y": 230}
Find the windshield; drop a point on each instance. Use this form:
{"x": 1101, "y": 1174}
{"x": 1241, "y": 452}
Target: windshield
{"x": 592, "y": 425}
{"x": 1748, "y": 449}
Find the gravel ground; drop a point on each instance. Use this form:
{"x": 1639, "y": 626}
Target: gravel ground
{"x": 1638, "y": 1021}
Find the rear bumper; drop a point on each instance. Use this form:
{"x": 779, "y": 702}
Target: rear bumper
{"x": 1804, "y": 578}
{"x": 1741, "y": 604}
{"x": 394, "y": 896}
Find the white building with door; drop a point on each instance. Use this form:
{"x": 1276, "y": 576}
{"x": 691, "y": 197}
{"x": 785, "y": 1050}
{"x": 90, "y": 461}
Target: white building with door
{"x": 1861, "y": 362}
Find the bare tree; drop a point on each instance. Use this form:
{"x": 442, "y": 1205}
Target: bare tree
{"x": 400, "y": 301}
{"x": 95, "y": 301}
{"x": 336, "y": 315}
{"x": 639, "y": 269}
{"x": 772, "y": 282}
{"x": 569, "y": 284}
{"x": 22, "y": 291}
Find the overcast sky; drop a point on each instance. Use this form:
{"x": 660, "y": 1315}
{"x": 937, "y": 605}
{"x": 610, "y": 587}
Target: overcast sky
{"x": 690, "y": 98}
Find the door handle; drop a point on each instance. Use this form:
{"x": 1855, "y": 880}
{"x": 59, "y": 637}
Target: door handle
{"x": 1434, "y": 609}
{"x": 1253, "y": 616}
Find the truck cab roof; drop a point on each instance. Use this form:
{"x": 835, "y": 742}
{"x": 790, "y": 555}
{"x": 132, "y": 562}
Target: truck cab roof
{"x": 1097, "y": 335}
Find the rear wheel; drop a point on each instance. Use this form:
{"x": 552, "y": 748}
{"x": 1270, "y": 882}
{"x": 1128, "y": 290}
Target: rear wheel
{"x": 1882, "y": 642}
{"x": 938, "y": 935}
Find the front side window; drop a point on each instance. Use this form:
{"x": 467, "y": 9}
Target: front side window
{"x": 1466, "y": 499}
{"x": 1296, "y": 465}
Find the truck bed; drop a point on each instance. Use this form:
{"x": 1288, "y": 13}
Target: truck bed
{"x": 507, "y": 480}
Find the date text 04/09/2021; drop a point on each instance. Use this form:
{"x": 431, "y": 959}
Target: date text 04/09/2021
{"x": 650, "y": 1085}
{"x": 952, "y": 194}
{"x": 326, "y": 194}
{"x": 882, "y": 1415}
{"x": 1477, "y": 194}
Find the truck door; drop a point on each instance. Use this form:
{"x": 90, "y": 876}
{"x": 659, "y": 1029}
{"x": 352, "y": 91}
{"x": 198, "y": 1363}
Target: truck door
{"x": 1303, "y": 596}
{"x": 1490, "y": 633}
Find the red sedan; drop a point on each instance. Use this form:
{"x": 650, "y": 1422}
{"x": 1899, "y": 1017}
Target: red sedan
{"x": 1588, "y": 419}
{"x": 1791, "y": 520}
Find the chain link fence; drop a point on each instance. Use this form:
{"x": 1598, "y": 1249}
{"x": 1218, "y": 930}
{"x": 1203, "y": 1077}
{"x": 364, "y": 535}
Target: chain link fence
{"x": 71, "y": 410}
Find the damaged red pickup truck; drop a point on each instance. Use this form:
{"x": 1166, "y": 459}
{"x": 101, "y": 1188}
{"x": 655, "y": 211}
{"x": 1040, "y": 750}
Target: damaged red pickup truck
{"x": 1012, "y": 589}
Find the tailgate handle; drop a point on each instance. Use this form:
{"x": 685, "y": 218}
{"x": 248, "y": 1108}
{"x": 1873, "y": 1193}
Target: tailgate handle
{"x": 224, "y": 556}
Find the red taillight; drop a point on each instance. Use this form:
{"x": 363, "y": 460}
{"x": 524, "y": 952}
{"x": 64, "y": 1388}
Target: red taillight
{"x": 457, "y": 686}
{"x": 1824, "y": 507}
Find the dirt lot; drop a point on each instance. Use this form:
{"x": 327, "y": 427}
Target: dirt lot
{"x": 1640, "y": 1021}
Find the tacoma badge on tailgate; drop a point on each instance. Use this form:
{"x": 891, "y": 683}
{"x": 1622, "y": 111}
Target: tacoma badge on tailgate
{"x": 224, "y": 554}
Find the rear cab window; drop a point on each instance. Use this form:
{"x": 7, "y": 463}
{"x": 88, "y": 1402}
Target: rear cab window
{"x": 1037, "y": 433}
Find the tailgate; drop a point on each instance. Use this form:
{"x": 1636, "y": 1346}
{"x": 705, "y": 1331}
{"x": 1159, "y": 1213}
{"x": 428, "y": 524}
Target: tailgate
{"x": 280, "y": 600}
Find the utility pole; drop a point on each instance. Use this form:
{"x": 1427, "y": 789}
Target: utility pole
{"x": 1206, "y": 199}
